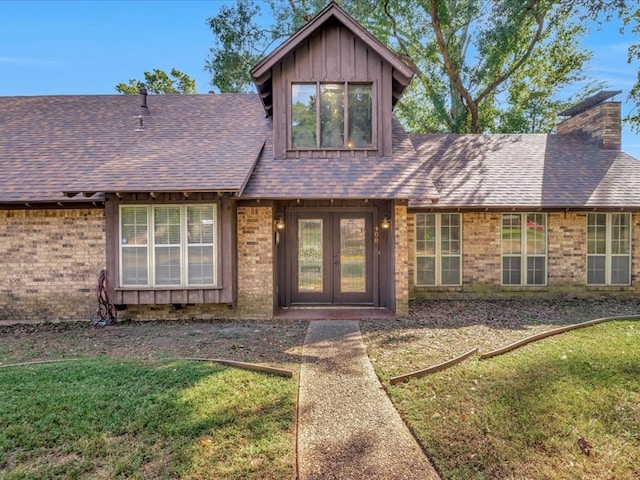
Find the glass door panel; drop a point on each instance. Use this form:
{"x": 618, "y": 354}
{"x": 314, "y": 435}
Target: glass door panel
{"x": 331, "y": 259}
{"x": 309, "y": 258}
{"x": 353, "y": 267}
{"x": 352, "y": 258}
{"x": 310, "y": 255}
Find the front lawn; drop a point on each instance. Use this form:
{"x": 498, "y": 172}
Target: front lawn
{"x": 105, "y": 418}
{"x": 520, "y": 415}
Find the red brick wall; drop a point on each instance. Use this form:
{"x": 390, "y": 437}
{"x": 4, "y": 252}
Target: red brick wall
{"x": 255, "y": 262}
{"x": 50, "y": 264}
{"x": 566, "y": 256}
{"x": 255, "y": 277}
{"x": 602, "y": 123}
{"x": 403, "y": 259}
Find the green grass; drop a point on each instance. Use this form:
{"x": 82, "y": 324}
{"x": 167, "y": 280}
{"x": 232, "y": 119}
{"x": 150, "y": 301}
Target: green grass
{"x": 102, "y": 418}
{"x": 519, "y": 415}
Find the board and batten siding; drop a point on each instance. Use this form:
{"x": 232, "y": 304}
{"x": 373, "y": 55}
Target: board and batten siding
{"x": 224, "y": 293}
{"x": 333, "y": 54}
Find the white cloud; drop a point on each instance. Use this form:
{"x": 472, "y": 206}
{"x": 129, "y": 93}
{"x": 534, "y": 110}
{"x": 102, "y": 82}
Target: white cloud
{"x": 27, "y": 61}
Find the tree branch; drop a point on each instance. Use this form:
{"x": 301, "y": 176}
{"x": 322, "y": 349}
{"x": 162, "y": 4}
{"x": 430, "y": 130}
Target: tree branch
{"x": 469, "y": 104}
{"x": 505, "y": 75}
{"x": 442, "y": 112}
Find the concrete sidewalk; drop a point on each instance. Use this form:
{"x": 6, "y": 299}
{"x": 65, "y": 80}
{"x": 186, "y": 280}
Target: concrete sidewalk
{"x": 347, "y": 426}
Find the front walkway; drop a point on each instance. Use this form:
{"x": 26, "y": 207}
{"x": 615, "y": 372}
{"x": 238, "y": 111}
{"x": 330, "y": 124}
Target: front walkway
{"x": 347, "y": 427}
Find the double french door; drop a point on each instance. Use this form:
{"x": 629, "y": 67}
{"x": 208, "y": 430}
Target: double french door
{"x": 331, "y": 258}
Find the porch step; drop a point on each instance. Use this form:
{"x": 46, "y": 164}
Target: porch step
{"x": 333, "y": 313}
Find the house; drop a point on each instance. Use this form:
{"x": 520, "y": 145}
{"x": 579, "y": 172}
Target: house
{"x": 307, "y": 193}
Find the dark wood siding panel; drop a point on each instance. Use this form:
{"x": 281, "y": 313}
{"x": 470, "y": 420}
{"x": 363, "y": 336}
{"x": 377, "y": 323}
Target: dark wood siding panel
{"x": 281, "y": 112}
{"x": 146, "y": 297}
{"x": 167, "y": 297}
{"x": 163, "y": 297}
{"x": 301, "y": 62}
{"x": 384, "y": 111}
{"x": 316, "y": 56}
{"x": 128, "y": 298}
{"x": 227, "y": 253}
{"x": 333, "y": 54}
{"x": 227, "y": 257}
{"x": 194, "y": 296}
{"x": 347, "y": 47}
{"x": 111, "y": 248}
{"x": 360, "y": 61}
{"x": 212, "y": 296}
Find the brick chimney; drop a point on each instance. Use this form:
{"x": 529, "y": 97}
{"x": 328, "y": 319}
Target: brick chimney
{"x": 595, "y": 120}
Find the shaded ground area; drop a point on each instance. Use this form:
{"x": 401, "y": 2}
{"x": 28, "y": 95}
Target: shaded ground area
{"x": 272, "y": 343}
{"x": 434, "y": 331}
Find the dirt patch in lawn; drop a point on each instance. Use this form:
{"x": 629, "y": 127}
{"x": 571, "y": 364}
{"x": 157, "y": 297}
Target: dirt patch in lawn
{"x": 268, "y": 343}
{"x": 434, "y": 331}
{"x": 438, "y": 330}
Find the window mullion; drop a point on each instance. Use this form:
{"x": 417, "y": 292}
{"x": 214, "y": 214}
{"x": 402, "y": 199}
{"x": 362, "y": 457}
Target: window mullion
{"x": 438, "y": 250}
{"x": 184, "y": 239}
{"x": 318, "y": 127}
{"x": 607, "y": 252}
{"x": 151, "y": 238}
{"x": 345, "y": 116}
{"x": 151, "y": 225}
{"x": 524, "y": 261}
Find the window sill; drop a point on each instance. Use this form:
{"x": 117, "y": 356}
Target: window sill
{"x": 321, "y": 150}
{"x": 524, "y": 288}
{"x": 611, "y": 288}
{"x": 437, "y": 288}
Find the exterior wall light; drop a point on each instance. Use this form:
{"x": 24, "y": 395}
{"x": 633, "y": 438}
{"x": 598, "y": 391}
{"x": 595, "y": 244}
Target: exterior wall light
{"x": 279, "y": 222}
{"x": 386, "y": 222}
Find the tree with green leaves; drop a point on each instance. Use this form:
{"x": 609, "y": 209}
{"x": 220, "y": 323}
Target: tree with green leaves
{"x": 634, "y": 55}
{"x": 157, "y": 81}
{"x": 481, "y": 66}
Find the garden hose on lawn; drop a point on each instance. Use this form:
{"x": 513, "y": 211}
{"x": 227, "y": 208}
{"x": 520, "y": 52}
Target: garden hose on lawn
{"x": 282, "y": 372}
{"x": 106, "y": 311}
{"x": 508, "y": 348}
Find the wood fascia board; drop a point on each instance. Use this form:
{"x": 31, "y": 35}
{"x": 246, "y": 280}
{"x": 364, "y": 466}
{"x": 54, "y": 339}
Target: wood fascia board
{"x": 250, "y": 173}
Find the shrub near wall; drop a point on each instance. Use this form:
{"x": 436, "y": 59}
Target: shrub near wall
{"x": 50, "y": 260}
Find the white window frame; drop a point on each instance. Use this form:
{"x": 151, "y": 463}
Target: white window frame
{"x": 609, "y": 255}
{"x": 438, "y": 255}
{"x": 524, "y": 255}
{"x": 183, "y": 245}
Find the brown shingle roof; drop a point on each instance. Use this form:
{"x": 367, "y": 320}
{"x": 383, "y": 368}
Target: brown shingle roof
{"x": 523, "y": 171}
{"x": 401, "y": 176}
{"x": 55, "y": 144}
{"x": 51, "y": 145}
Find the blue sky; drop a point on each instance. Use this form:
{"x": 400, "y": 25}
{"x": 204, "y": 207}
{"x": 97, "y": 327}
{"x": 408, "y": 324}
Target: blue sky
{"x": 87, "y": 47}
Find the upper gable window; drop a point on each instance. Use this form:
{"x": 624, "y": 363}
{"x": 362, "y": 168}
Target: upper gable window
{"x": 341, "y": 119}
